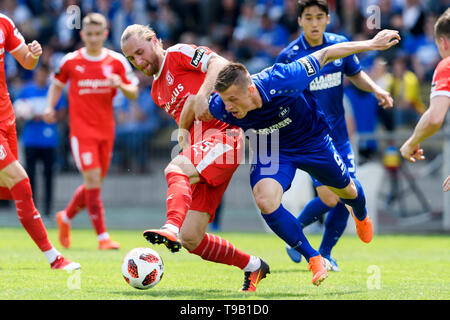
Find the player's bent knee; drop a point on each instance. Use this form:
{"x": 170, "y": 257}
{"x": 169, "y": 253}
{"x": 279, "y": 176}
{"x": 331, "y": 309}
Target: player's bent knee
{"x": 190, "y": 240}
{"x": 328, "y": 198}
{"x": 266, "y": 203}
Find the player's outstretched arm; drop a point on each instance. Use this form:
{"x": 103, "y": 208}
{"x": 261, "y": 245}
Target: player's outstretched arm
{"x": 28, "y": 56}
{"x": 429, "y": 124}
{"x": 363, "y": 81}
{"x": 382, "y": 41}
{"x": 53, "y": 95}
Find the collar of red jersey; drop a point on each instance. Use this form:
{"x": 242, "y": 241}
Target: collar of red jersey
{"x": 92, "y": 58}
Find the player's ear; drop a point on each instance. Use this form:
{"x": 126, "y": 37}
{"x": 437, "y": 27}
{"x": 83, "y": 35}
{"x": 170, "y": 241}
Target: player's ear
{"x": 328, "y": 19}
{"x": 251, "y": 88}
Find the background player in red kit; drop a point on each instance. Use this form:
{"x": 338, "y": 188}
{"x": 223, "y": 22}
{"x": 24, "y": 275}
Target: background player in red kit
{"x": 95, "y": 73}
{"x": 198, "y": 177}
{"x": 432, "y": 119}
{"x": 14, "y": 182}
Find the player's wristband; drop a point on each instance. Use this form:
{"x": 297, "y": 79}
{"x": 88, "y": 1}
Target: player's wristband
{"x": 34, "y": 57}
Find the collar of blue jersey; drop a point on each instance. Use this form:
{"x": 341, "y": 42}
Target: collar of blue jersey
{"x": 306, "y": 44}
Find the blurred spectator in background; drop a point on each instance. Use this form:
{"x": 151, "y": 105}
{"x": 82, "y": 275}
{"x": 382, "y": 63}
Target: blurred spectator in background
{"x": 226, "y": 15}
{"x": 130, "y": 12}
{"x": 382, "y": 77}
{"x": 271, "y": 38}
{"x": 405, "y": 88}
{"x": 289, "y": 19}
{"x": 423, "y": 51}
{"x": 136, "y": 122}
{"x": 248, "y": 31}
{"x": 39, "y": 138}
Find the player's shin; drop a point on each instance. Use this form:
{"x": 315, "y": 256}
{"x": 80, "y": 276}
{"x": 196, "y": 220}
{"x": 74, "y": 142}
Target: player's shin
{"x": 359, "y": 203}
{"x": 77, "y": 203}
{"x": 216, "y": 249}
{"x": 28, "y": 215}
{"x": 288, "y": 228}
{"x": 179, "y": 198}
{"x": 335, "y": 225}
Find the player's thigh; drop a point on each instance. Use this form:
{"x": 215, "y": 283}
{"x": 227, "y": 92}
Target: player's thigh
{"x": 215, "y": 158}
{"x": 11, "y": 171}
{"x": 326, "y": 165}
{"x": 270, "y": 180}
{"x": 183, "y": 165}
{"x": 85, "y": 153}
{"x": 327, "y": 196}
{"x": 105, "y": 151}
{"x": 346, "y": 152}
{"x": 206, "y": 198}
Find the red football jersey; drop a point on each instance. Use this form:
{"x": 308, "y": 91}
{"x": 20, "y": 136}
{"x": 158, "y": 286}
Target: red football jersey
{"x": 182, "y": 73}
{"x": 90, "y": 98}
{"x": 10, "y": 40}
{"x": 440, "y": 85}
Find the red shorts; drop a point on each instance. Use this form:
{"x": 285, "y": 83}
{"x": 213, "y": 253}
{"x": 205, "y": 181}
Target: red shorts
{"x": 91, "y": 153}
{"x": 8, "y": 142}
{"x": 216, "y": 158}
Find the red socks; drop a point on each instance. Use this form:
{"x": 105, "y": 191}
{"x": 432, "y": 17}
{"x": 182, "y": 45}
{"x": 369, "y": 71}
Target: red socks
{"x": 216, "y": 249}
{"x": 77, "y": 203}
{"x": 5, "y": 194}
{"x": 95, "y": 209}
{"x": 28, "y": 215}
{"x": 179, "y": 198}
{"x": 90, "y": 199}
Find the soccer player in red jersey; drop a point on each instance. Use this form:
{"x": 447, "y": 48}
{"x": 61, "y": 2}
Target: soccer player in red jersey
{"x": 432, "y": 119}
{"x": 199, "y": 175}
{"x": 95, "y": 74}
{"x": 14, "y": 181}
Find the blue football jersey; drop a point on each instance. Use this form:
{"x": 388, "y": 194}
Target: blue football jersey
{"x": 328, "y": 86}
{"x": 289, "y": 119}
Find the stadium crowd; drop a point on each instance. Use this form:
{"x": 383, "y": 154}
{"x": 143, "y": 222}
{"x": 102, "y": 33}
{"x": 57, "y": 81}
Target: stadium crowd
{"x": 249, "y": 31}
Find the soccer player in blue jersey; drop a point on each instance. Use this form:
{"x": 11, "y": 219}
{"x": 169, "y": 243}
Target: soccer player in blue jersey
{"x": 287, "y": 131}
{"x": 313, "y": 18}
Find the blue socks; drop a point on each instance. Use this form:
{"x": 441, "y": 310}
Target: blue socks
{"x": 359, "y": 203}
{"x": 335, "y": 225}
{"x": 288, "y": 228}
{"x": 312, "y": 211}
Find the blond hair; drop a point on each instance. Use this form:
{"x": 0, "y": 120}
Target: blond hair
{"x": 139, "y": 31}
{"x": 96, "y": 19}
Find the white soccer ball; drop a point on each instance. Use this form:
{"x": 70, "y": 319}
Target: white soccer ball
{"x": 142, "y": 268}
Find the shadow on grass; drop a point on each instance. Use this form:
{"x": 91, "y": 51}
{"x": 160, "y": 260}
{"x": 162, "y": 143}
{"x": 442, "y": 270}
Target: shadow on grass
{"x": 291, "y": 270}
{"x": 193, "y": 294}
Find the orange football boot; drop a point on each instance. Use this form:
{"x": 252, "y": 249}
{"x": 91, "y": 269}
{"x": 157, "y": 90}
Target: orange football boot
{"x": 63, "y": 229}
{"x": 108, "y": 244}
{"x": 318, "y": 266}
{"x": 251, "y": 279}
{"x": 364, "y": 228}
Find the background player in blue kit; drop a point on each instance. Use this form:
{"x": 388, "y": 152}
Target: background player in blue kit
{"x": 291, "y": 133}
{"x": 328, "y": 88}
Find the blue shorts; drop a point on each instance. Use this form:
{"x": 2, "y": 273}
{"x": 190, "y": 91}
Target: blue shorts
{"x": 346, "y": 152}
{"x": 323, "y": 163}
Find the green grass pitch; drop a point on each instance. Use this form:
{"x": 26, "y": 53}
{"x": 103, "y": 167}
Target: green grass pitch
{"x": 391, "y": 267}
